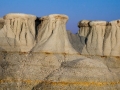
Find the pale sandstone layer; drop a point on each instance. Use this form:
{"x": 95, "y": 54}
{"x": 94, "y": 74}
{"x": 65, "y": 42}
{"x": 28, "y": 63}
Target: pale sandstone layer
{"x": 54, "y": 61}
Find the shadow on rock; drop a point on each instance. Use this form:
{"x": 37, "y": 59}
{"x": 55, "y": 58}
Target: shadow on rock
{"x": 77, "y": 42}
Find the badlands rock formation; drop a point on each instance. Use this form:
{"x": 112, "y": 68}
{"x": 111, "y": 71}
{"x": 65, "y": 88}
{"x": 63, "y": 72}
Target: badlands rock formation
{"x": 47, "y": 57}
{"x": 93, "y": 31}
{"x": 52, "y": 33}
{"x": 18, "y": 33}
{"x": 112, "y": 38}
{"x": 80, "y": 75}
{"x": 102, "y": 39}
{"x": 95, "y": 38}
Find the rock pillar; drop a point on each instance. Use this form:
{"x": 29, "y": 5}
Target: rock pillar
{"x": 112, "y": 39}
{"x": 18, "y": 32}
{"x": 52, "y": 35}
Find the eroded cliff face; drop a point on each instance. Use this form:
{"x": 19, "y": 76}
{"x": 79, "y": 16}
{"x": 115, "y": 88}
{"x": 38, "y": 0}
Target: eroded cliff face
{"x": 112, "y": 39}
{"x": 18, "y": 32}
{"x": 52, "y": 33}
{"x": 102, "y": 39}
{"x": 48, "y": 57}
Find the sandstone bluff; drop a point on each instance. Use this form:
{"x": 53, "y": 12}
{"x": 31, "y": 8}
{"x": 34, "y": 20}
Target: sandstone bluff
{"x": 40, "y": 54}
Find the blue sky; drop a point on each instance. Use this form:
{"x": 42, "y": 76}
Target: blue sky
{"x": 76, "y": 9}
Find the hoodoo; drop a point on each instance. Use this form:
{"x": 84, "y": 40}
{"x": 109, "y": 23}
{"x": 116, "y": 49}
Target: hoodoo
{"x": 80, "y": 74}
{"x": 112, "y": 39}
{"x": 102, "y": 38}
{"x": 95, "y": 38}
{"x": 52, "y": 35}
{"x": 18, "y": 32}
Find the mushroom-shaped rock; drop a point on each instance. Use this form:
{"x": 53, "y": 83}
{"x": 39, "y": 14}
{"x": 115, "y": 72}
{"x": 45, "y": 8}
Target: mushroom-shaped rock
{"x": 80, "y": 74}
{"x": 1, "y": 23}
{"x": 95, "y": 38}
{"x": 18, "y": 30}
{"x": 52, "y": 35}
{"x": 112, "y": 39}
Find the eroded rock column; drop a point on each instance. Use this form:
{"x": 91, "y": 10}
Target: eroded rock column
{"x": 52, "y": 35}
{"x": 18, "y": 32}
{"x": 112, "y": 39}
{"x": 95, "y": 38}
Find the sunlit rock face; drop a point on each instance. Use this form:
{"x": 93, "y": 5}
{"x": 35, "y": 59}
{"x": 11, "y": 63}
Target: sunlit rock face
{"x": 84, "y": 28}
{"x": 48, "y": 57}
{"x": 80, "y": 74}
{"x": 52, "y": 35}
{"x": 18, "y": 70}
{"x": 94, "y": 37}
{"x": 112, "y": 39}
{"x": 99, "y": 38}
{"x": 18, "y": 33}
